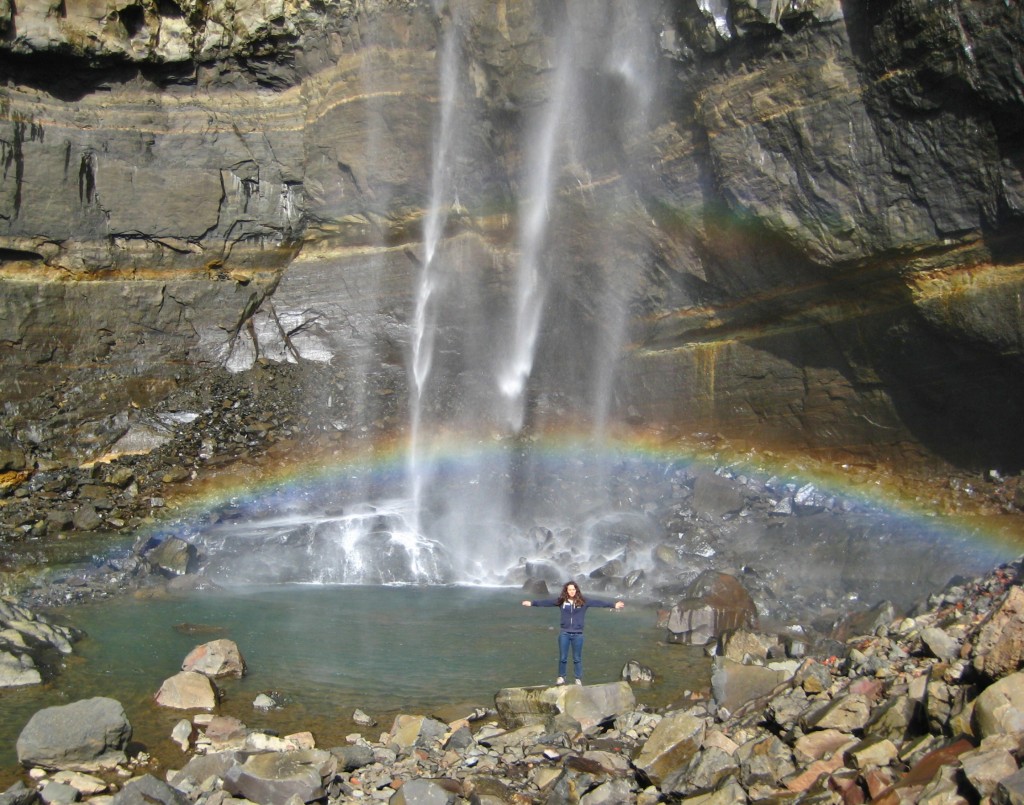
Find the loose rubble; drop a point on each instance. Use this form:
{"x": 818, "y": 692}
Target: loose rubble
{"x": 922, "y": 707}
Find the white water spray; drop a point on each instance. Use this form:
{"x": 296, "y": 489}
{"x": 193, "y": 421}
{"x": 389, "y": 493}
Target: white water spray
{"x": 425, "y": 316}
{"x": 534, "y": 222}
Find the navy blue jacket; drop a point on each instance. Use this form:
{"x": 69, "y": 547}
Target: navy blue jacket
{"x": 572, "y": 616}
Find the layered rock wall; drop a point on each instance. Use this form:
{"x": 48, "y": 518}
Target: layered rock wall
{"x": 819, "y": 215}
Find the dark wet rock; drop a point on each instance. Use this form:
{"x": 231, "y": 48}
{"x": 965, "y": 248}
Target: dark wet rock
{"x": 716, "y": 497}
{"x": 715, "y": 603}
{"x": 353, "y": 757}
{"x": 85, "y": 735}
{"x": 86, "y": 518}
{"x": 19, "y": 794}
{"x": 536, "y": 587}
{"x": 173, "y": 557}
{"x": 148, "y": 790}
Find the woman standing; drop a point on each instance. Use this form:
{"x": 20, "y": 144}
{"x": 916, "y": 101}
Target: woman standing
{"x": 573, "y": 608}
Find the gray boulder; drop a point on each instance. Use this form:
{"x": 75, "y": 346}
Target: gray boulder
{"x": 173, "y": 557}
{"x": 423, "y": 791}
{"x": 86, "y": 735}
{"x": 148, "y": 790}
{"x": 17, "y": 670}
{"x": 1000, "y": 708}
{"x": 278, "y": 776}
{"x": 673, "y": 743}
{"x": 588, "y": 705}
{"x": 18, "y": 794}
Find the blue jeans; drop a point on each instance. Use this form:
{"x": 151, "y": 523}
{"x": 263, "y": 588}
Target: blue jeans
{"x": 565, "y": 640}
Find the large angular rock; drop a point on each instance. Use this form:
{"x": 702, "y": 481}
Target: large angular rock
{"x": 173, "y": 557}
{"x": 1000, "y": 708}
{"x": 218, "y": 658}
{"x": 187, "y": 691}
{"x": 17, "y": 670}
{"x": 148, "y": 790}
{"x": 672, "y": 744}
{"x": 86, "y": 735}
{"x": 999, "y": 645}
{"x": 985, "y": 769}
{"x": 278, "y": 776}
{"x": 715, "y": 603}
{"x": 409, "y": 732}
{"x": 734, "y": 684}
{"x": 587, "y": 704}
{"x": 428, "y": 791}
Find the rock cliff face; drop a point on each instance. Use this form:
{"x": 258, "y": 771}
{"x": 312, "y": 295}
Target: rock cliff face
{"x": 805, "y": 227}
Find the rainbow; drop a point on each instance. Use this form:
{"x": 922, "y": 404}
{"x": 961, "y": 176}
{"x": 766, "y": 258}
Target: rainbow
{"x": 356, "y": 473}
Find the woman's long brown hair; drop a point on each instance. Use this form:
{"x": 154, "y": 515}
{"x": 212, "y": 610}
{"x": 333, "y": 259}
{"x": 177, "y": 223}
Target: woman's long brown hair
{"x": 578, "y": 601}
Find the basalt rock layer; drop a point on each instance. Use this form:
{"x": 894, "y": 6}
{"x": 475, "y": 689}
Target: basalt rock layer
{"x": 819, "y": 213}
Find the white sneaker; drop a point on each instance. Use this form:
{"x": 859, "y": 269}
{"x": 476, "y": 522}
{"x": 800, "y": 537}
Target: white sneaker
{"x": 560, "y": 680}
{"x": 579, "y": 681}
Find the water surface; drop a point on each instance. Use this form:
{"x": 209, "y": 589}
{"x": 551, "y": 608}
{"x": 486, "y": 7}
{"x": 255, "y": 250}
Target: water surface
{"x": 326, "y": 650}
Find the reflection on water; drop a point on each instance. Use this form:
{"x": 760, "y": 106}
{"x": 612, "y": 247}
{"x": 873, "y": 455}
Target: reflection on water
{"x": 329, "y": 650}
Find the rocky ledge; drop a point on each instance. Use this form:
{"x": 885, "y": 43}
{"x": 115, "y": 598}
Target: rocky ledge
{"x": 919, "y": 708}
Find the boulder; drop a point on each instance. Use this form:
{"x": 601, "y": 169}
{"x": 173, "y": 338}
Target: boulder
{"x": 148, "y": 790}
{"x": 671, "y": 746}
{"x": 734, "y": 684}
{"x": 716, "y": 497}
{"x": 428, "y": 791}
{"x": 939, "y": 644}
{"x": 589, "y": 705}
{"x": 411, "y": 732}
{"x": 714, "y": 603}
{"x": 1011, "y": 790}
{"x": 896, "y": 718}
{"x": 86, "y": 735}
{"x": 985, "y": 769}
{"x": 173, "y": 557}
{"x": 278, "y": 776}
{"x": 1000, "y": 708}
{"x": 999, "y": 646}
{"x": 204, "y": 767}
{"x": 216, "y": 659}
{"x": 54, "y": 793}
{"x": 764, "y": 762}
{"x": 846, "y": 713}
{"x": 225, "y": 732}
{"x": 187, "y": 690}
{"x": 86, "y": 518}
{"x": 17, "y": 670}
{"x": 353, "y": 757}
{"x": 634, "y": 671}
{"x": 745, "y": 646}
{"x": 18, "y": 794}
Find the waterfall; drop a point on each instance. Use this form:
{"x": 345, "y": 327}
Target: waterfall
{"x": 540, "y": 182}
{"x": 425, "y": 314}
